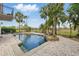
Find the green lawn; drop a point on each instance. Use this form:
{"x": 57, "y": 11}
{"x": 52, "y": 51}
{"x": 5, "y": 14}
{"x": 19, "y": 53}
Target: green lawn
{"x": 66, "y": 32}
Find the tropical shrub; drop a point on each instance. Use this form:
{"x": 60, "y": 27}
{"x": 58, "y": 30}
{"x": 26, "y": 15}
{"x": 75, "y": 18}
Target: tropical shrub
{"x": 5, "y": 30}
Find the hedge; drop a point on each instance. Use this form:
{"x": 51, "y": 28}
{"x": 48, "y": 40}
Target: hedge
{"x": 5, "y": 30}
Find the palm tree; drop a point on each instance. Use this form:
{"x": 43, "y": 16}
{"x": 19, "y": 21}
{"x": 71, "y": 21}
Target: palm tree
{"x": 74, "y": 12}
{"x": 44, "y": 14}
{"x": 70, "y": 23}
{"x": 53, "y": 12}
{"x": 19, "y": 18}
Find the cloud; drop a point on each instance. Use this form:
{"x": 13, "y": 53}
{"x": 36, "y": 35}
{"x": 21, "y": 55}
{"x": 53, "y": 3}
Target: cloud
{"x": 27, "y": 7}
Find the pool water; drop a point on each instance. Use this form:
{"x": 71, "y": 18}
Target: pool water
{"x": 32, "y": 41}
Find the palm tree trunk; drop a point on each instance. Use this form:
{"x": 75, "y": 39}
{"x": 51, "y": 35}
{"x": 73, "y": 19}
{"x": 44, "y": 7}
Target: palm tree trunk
{"x": 48, "y": 31}
{"x": 0, "y": 30}
{"x": 70, "y": 30}
{"x": 78, "y": 31}
{"x": 54, "y": 28}
{"x": 54, "y": 31}
{"x": 55, "y": 21}
{"x": 58, "y": 28}
{"x": 19, "y": 30}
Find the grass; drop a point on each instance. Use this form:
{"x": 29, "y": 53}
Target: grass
{"x": 17, "y": 31}
{"x": 66, "y": 33}
{"x": 52, "y": 38}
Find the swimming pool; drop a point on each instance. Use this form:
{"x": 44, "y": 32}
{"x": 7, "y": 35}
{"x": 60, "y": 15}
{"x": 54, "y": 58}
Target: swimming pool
{"x": 32, "y": 41}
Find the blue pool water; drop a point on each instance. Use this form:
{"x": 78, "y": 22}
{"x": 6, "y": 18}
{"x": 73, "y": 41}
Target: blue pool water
{"x": 32, "y": 41}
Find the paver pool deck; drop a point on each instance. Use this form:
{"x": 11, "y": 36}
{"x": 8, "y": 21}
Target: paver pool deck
{"x": 63, "y": 47}
{"x": 9, "y": 46}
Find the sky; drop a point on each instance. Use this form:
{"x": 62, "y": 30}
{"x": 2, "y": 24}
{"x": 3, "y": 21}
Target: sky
{"x": 32, "y": 10}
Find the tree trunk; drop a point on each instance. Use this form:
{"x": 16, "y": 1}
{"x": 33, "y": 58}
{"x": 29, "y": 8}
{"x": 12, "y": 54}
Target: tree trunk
{"x": 78, "y": 31}
{"x": 54, "y": 28}
{"x": 19, "y": 30}
{"x": 70, "y": 30}
{"x": 55, "y": 23}
{"x": 0, "y": 30}
{"x": 58, "y": 28}
{"x": 48, "y": 31}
